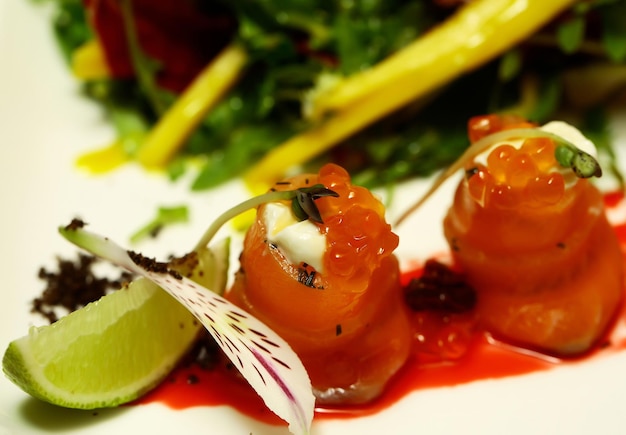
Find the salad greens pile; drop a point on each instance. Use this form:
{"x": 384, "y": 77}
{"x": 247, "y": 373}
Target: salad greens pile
{"x": 573, "y": 67}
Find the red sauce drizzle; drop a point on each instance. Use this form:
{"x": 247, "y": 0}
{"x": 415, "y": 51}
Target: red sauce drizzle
{"x": 612, "y": 199}
{"x": 484, "y": 359}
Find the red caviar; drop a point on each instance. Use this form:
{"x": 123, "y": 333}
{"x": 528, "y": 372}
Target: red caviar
{"x": 514, "y": 176}
{"x": 481, "y": 126}
{"x": 542, "y": 257}
{"x": 348, "y": 324}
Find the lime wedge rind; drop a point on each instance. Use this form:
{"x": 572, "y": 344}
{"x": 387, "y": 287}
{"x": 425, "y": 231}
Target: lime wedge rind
{"x": 73, "y": 364}
{"x": 140, "y": 330}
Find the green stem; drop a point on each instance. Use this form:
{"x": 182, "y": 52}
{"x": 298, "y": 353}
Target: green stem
{"x": 582, "y": 167}
{"x": 240, "y": 208}
{"x": 141, "y": 63}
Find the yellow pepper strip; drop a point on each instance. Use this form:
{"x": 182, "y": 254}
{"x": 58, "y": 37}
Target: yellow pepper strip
{"x": 104, "y": 159}
{"x": 477, "y": 32}
{"x": 207, "y": 89}
{"x": 89, "y": 63}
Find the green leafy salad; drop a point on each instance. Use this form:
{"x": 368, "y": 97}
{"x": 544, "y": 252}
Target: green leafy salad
{"x": 250, "y": 89}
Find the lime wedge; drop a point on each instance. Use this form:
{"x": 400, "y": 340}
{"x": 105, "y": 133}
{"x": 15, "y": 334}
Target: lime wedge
{"x": 113, "y": 350}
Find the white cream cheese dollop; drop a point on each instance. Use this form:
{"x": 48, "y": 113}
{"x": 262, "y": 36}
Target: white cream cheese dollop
{"x": 298, "y": 241}
{"x": 572, "y": 135}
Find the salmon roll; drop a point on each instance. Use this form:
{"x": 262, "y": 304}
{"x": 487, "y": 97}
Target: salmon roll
{"x": 533, "y": 240}
{"x": 329, "y": 287}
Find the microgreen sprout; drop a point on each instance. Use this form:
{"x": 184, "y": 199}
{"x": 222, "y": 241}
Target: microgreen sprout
{"x": 582, "y": 164}
{"x": 567, "y": 154}
{"x": 302, "y": 203}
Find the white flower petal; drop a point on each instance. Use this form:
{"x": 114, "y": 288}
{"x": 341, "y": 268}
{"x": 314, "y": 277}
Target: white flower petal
{"x": 265, "y": 360}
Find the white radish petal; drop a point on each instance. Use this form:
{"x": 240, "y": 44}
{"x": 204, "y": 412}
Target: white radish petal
{"x": 264, "y": 359}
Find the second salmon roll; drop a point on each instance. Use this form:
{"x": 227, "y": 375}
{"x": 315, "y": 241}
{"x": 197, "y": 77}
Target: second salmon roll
{"x": 529, "y": 230}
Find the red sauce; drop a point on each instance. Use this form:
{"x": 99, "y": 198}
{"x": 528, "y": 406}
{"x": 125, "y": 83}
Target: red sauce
{"x": 612, "y": 199}
{"x": 484, "y": 359}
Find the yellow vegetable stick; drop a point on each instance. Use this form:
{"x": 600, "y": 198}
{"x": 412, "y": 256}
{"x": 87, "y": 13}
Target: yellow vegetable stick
{"x": 476, "y": 34}
{"x": 304, "y": 146}
{"x": 89, "y": 63}
{"x": 104, "y": 159}
{"x": 207, "y": 89}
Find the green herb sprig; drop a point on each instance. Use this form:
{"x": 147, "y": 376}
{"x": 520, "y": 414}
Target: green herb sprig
{"x": 582, "y": 164}
{"x": 303, "y": 198}
{"x": 567, "y": 154}
{"x": 303, "y": 205}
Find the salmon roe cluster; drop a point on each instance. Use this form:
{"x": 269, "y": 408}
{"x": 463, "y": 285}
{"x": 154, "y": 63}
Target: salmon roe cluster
{"x": 484, "y": 125}
{"x": 358, "y": 236}
{"x": 514, "y": 176}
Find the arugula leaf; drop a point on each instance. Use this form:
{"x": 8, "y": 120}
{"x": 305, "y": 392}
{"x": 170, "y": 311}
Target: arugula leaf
{"x": 571, "y": 33}
{"x": 165, "y": 216}
{"x": 244, "y": 146}
{"x": 70, "y": 26}
{"x": 365, "y": 32}
{"x": 614, "y": 30}
{"x": 510, "y": 65}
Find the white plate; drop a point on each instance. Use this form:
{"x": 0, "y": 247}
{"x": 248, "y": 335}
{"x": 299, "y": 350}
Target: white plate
{"x": 45, "y": 124}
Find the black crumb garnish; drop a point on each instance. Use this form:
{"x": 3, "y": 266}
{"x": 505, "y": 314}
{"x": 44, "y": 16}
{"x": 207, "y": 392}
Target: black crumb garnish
{"x": 73, "y": 285}
{"x": 186, "y": 264}
{"x": 151, "y": 265}
{"x": 154, "y": 232}
{"x": 76, "y": 224}
{"x": 205, "y": 353}
{"x": 439, "y": 289}
{"x": 306, "y": 275}
{"x": 338, "y": 330}
{"x": 192, "y": 379}
{"x": 469, "y": 173}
